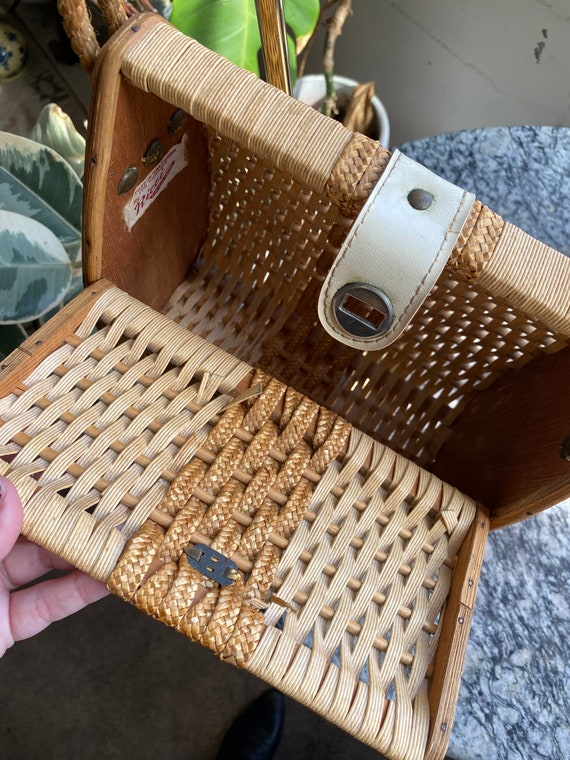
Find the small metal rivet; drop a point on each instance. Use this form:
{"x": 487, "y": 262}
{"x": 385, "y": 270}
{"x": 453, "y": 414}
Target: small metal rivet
{"x": 153, "y": 153}
{"x": 362, "y": 310}
{"x": 470, "y": 582}
{"x": 460, "y": 621}
{"x": 443, "y": 726}
{"x": 565, "y": 449}
{"x": 177, "y": 121}
{"x": 128, "y": 180}
{"x": 420, "y": 199}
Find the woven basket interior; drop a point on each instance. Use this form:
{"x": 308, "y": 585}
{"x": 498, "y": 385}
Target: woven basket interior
{"x": 254, "y": 290}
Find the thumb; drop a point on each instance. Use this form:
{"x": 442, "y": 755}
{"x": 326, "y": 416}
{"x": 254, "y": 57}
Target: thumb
{"x": 11, "y": 517}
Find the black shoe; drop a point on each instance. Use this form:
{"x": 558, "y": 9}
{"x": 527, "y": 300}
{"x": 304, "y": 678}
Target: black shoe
{"x": 255, "y": 733}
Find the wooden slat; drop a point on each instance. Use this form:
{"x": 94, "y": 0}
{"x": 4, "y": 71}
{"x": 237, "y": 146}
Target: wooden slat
{"x": 448, "y": 664}
{"x": 504, "y": 450}
{"x": 151, "y": 260}
{"x": 50, "y": 336}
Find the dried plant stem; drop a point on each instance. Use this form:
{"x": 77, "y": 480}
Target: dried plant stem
{"x": 335, "y": 25}
{"x": 303, "y": 54}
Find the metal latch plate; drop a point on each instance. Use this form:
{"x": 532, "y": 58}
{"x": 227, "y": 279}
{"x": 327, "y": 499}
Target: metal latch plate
{"x": 215, "y": 566}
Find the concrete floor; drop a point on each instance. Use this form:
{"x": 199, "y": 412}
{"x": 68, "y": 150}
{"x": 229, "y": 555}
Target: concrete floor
{"x": 112, "y": 683}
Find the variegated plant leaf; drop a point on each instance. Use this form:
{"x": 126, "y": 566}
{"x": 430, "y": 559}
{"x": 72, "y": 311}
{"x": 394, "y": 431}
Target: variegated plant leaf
{"x": 37, "y": 182}
{"x": 35, "y": 270}
{"x": 55, "y": 129}
{"x": 75, "y": 287}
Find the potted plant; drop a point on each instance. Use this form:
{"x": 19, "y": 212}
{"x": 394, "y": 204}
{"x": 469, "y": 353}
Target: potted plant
{"x": 231, "y": 29}
{"x": 40, "y": 225}
{"x": 354, "y": 104}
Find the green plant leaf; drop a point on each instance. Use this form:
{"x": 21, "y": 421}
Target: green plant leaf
{"x": 35, "y": 271}
{"x": 301, "y": 16}
{"x": 10, "y": 338}
{"x": 37, "y": 182}
{"x": 229, "y": 27}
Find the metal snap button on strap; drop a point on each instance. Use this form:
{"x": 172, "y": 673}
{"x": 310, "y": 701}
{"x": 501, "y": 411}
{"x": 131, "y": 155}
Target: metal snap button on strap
{"x": 362, "y": 311}
{"x": 212, "y": 564}
{"x": 392, "y": 255}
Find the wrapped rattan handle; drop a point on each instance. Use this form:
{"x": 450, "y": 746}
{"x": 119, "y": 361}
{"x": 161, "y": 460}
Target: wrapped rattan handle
{"x": 79, "y": 29}
{"x": 233, "y": 101}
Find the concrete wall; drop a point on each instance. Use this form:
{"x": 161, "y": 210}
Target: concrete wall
{"x": 446, "y": 65}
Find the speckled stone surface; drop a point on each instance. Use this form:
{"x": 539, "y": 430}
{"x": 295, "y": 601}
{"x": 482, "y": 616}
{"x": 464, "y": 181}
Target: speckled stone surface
{"x": 522, "y": 173}
{"x": 514, "y": 702}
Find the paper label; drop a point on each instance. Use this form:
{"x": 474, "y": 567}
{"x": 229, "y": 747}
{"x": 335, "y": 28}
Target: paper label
{"x": 151, "y": 187}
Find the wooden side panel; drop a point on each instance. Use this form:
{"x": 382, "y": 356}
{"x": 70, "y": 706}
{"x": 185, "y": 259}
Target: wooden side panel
{"x": 50, "y": 336}
{"x": 450, "y": 657}
{"x": 151, "y": 259}
{"x": 504, "y": 450}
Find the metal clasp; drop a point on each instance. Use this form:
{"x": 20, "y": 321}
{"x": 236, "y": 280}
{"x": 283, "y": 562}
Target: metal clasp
{"x": 362, "y": 310}
{"x": 212, "y": 564}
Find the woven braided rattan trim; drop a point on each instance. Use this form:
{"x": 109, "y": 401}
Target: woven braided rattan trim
{"x": 476, "y": 243}
{"x": 246, "y": 504}
{"x": 355, "y": 174}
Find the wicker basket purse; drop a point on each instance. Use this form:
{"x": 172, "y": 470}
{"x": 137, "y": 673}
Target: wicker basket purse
{"x": 188, "y": 432}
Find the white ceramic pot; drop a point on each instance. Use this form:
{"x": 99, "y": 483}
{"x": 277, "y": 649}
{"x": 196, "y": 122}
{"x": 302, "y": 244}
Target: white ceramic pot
{"x": 311, "y": 89}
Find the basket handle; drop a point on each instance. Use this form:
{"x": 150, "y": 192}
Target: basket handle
{"x": 79, "y": 28}
{"x": 325, "y": 157}
{"x": 232, "y": 100}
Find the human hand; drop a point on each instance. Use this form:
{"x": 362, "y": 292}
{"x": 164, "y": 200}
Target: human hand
{"x": 28, "y": 611}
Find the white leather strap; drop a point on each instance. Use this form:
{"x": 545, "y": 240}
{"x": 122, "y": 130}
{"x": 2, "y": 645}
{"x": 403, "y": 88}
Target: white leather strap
{"x": 397, "y": 249}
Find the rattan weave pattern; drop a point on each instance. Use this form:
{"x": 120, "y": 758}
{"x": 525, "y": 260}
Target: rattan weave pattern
{"x": 358, "y": 169}
{"x": 476, "y": 242}
{"x": 237, "y": 519}
{"x": 261, "y": 306}
{"x": 369, "y": 574}
{"x": 127, "y": 443}
{"x": 134, "y": 438}
{"x": 96, "y": 433}
{"x": 250, "y": 111}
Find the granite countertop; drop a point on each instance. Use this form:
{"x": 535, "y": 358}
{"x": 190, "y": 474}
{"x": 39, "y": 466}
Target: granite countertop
{"x": 522, "y": 173}
{"x": 514, "y": 702}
